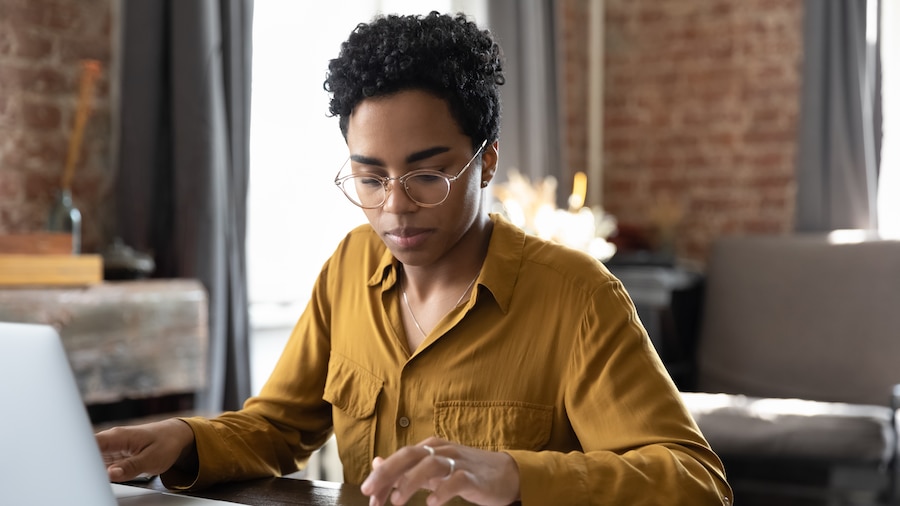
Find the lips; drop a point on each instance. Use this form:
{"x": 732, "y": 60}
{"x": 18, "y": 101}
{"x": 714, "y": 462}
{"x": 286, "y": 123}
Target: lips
{"x": 407, "y": 238}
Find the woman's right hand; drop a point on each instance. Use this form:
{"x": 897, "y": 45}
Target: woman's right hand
{"x": 147, "y": 449}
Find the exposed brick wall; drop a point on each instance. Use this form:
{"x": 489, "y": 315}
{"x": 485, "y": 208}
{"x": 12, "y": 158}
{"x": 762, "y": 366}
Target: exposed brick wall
{"x": 701, "y": 104}
{"x": 573, "y": 27}
{"x": 41, "y": 45}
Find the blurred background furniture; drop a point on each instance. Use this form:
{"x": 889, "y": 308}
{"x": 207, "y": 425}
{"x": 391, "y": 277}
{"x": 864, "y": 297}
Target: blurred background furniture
{"x": 137, "y": 348}
{"x": 797, "y": 360}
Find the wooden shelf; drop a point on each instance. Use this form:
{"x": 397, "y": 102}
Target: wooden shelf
{"x": 50, "y": 270}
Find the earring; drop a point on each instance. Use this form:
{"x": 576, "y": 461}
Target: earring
{"x": 484, "y": 184}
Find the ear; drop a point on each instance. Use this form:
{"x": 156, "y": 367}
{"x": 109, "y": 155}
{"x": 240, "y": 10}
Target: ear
{"x": 489, "y": 159}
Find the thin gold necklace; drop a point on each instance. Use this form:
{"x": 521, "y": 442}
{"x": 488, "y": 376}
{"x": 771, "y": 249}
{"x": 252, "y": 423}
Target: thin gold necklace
{"x": 458, "y": 302}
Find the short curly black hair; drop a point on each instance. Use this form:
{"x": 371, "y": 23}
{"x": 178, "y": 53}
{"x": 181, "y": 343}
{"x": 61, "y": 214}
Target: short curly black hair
{"x": 446, "y": 55}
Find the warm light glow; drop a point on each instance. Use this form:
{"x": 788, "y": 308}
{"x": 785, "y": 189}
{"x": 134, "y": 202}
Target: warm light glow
{"x": 579, "y": 191}
{"x": 532, "y": 207}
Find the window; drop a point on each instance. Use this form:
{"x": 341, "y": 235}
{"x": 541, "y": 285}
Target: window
{"x": 296, "y": 216}
{"x": 889, "y": 179}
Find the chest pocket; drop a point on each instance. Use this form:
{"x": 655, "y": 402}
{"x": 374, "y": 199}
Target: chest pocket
{"x": 494, "y": 425}
{"x": 353, "y": 393}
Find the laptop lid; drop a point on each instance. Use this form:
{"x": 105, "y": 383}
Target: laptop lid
{"x": 48, "y": 454}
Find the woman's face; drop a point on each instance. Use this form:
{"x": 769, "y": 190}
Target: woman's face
{"x": 413, "y": 130}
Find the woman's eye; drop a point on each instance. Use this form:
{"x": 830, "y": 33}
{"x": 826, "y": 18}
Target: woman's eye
{"x": 426, "y": 178}
{"x": 368, "y": 181}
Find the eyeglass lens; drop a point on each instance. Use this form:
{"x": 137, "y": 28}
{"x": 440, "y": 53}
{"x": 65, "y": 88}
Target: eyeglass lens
{"x": 369, "y": 191}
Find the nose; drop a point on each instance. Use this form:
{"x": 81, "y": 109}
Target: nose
{"x": 397, "y": 201}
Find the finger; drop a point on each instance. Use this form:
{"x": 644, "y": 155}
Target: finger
{"x": 427, "y": 474}
{"x": 379, "y": 500}
{"x": 122, "y": 470}
{"x": 388, "y": 472}
{"x": 456, "y": 484}
{"x": 127, "y": 469}
{"x": 108, "y": 440}
{"x": 116, "y": 474}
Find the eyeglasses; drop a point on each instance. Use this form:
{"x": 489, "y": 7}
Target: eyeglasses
{"x": 426, "y": 187}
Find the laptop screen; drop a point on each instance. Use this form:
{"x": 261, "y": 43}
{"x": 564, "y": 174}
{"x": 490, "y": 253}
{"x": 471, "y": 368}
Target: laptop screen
{"x": 48, "y": 454}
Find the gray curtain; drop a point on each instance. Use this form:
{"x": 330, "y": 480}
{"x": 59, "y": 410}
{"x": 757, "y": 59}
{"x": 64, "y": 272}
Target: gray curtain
{"x": 183, "y": 162}
{"x": 530, "y": 136}
{"x": 839, "y": 128}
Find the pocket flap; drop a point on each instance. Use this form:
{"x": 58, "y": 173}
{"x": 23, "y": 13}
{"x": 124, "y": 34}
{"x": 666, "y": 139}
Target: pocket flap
{"x": 351, "y": 388}
{"x": 494, "y": 425}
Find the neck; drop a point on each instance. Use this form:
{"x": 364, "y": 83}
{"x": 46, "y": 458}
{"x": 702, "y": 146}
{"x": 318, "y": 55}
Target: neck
{"x": 461, "y": 263}
{"x": 416, "y": 340}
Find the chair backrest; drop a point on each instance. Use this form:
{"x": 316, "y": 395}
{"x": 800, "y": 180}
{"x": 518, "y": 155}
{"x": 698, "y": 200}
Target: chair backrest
{"x": 801, "y": 317}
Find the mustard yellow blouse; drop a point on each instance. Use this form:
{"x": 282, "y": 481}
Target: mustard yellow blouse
{"x": 547, "y": 362}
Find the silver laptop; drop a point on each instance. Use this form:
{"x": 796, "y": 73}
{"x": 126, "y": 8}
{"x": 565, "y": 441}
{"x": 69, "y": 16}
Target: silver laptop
{"x": 48, "y": 454}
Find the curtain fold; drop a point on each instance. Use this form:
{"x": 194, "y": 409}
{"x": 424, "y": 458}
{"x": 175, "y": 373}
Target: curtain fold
{"x": 837, "y": 166}
{"x": 183, "y": 163}
{"x": 530, "y": 136}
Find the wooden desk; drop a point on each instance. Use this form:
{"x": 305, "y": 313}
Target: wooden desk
{"x": 279, "y": 492}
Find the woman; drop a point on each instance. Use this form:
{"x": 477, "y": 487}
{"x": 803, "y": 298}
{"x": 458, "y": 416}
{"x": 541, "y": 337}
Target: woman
{"x": 447, "y": 349}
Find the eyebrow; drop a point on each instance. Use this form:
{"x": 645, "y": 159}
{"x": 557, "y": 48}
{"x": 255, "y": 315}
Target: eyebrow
{"x": 412, "y": 158}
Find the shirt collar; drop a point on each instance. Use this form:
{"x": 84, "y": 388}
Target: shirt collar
{"x": 501, "y": 268}
{"x": 386, "y": 271}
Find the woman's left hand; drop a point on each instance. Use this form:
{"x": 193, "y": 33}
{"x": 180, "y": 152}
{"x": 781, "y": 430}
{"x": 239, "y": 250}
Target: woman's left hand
{"x": 448, "y": 470}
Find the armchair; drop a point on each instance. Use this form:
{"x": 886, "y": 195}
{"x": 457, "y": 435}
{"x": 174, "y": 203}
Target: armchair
{"x": 797, "y": 362}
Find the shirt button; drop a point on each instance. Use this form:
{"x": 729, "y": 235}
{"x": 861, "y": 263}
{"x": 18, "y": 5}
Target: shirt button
{"x": 404, "y": 422}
